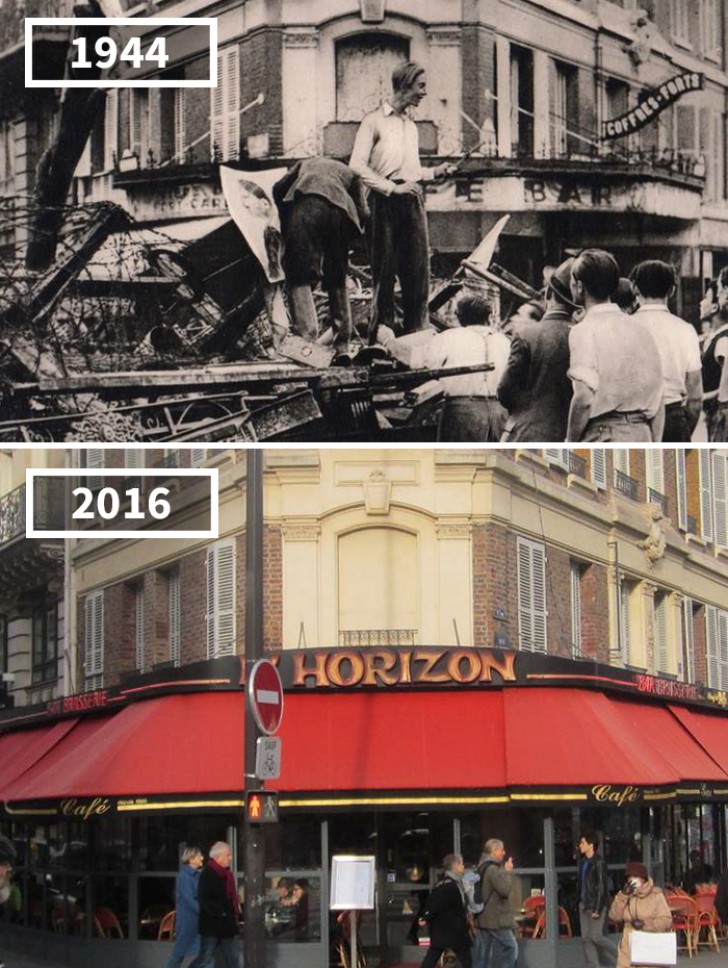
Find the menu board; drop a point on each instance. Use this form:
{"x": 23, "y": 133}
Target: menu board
{"x": 352, "y": 883}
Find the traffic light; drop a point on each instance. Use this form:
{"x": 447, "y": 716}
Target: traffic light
{"x": 261, "y": 806}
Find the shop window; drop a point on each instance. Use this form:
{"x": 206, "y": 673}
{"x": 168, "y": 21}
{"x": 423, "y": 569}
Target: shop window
{"x": 225, "y": 107}
{"x": 45, "y": 641}
{"x": 175, "y": 616}
{"x": 531, "y": 596}
{"x": 376, "y": 606}
{"x": 293, "y": 907}
{"x": 220, "y": 611}
{"x": 161, "y": 840}
{"x": 107, "y": 917}
{"x": 686, "y": 670}
{"x": 716, "y": 627}
{"x": 522, "y": 102}
{"x": 660, "y": 612}
{"x": 364, "y": 65}
{"x": 94, "y": 640}
{"x": 681, "y": 482}
{"x": 139, "y": 626}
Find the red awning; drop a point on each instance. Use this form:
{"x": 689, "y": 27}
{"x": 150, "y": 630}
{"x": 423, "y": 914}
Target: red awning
{"x": 173, "y": 744}
{"x": 20, "y": 750}
{"x": 710, "y": 730}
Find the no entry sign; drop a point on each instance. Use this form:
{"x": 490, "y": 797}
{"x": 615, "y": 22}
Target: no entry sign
{"x": 265, "y": 694}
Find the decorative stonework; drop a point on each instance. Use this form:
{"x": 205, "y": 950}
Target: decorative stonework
{"x": 301, "y": 38}
{"x": 372, "y": 11}
{"x": 453, "y": 530}
{"x": 301, "y": 532}
{"x": 443, "y": 37}
{"x": 377, "y": 492}
{"x": 655, "y": 543}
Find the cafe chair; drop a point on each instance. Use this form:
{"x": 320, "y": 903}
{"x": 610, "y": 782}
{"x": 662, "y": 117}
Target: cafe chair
{"x": 684, "y": 921}
{"x": 151, "y": 918}
{"x": 106, "y": 923}
{"x": 707, "y": 921}
{"x": 166, "y": 927}
{"x": 343, "y": 946}
{"x": 533, "y": 920}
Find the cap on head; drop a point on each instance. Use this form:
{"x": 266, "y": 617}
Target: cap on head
{"x": 635, "y": 869}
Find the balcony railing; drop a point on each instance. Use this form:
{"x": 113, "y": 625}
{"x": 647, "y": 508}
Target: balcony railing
{"x": 577, "y": 465}
{"x": 360, "y": 638}
{"x": 655, "y": 497}
{"x": 692, "y": 525}
{"x": 626, "y": 485}
{"x": 47, "y": 510}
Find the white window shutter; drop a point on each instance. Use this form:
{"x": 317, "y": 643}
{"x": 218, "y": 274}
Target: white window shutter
{"x": 558, "y": 456}
{"x": 217, "y": 109}
{"x": 624, "y": 617}
{"x": 221, "y": 599}
{"x": 175, "y": 618}
{"x": 531, "y": 595}
{"x": 620, "y": 457}
{"x": 576, "y": 609}
{"x": 662, "y": 657}
{"x": 722, "y": 649}
{"x": 94, "y": 639}
{"x": 599, "y": 467}
{"x": 720, "y": 499}
{"x": 94, "y": 458}
{"x": 688, "y": 638}
{"x": 225, "y": 106}
{"x": 655, "y": 471}
{"x": 111, "y": 128}
{"x": 198, "y": 456}
{"x": 711, "y": 630}
{"x": 706, "y": 496}
{"x": 139, "y": 626}
{"x": 682, "y": 489}
{"x": 180, "y": 124}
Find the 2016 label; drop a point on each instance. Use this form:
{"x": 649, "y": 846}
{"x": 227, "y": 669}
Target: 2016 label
{"x": 106, "y": 504}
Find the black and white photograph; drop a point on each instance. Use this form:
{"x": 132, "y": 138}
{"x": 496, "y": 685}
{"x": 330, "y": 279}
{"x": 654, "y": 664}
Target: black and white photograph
{"x": 369, "y": 221}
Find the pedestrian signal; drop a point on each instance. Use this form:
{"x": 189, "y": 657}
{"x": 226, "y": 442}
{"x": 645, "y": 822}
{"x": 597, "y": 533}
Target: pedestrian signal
{"x": 261, "y": 806}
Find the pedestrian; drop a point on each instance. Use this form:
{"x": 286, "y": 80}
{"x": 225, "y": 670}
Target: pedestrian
{"x": 387, "y": 159}
{"x": 593, "y": 903}
{"x": 496, "y": 921}
{"x": 471, "y": 880}
{"x": 187, "y": 910}
{"x": 219, "y": 910}
{"x": 721, "y": 897}
{"x": 7, "y": 859}
{"x": 471, "y": 411}
{"x": 323, "y": 210}
{"x": 641, "y": 906}
{"x": 715, "y": 360}
{"x": 655, "y": 283}
{"x": 535, "y": 388}
{"x": 445, "y": 915}
{"x": 615, "y": 365}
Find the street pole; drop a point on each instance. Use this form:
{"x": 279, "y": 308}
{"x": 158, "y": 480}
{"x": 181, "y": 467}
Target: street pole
{"x": 254, "y": 852}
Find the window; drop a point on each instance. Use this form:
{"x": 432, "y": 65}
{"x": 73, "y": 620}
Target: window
{"x": 655, "y": 471}
{"x": 95, "y": 458}
{"x": 198, "y": 456}
{"x": 45, "y": 641}
{"x": 139, "y": 125}
{"x": 681, "y": 481}
{"x": 706, "y": 496}
{"x": 7, "y": 158}
{"x": 716, "y": 622}
{"x": 564, "y": 111}
{"x": 720, "y": 499}
{"x": 660, "y": 633}
{"x": 621, "y": 460}
{"x": 180, "y": 124}
{"x": 616, "y": 96}
{"x": 531, "y": 596}
{"x": 175, "y": 616}
{"x": 599, "y": 467}
{"x": 576, "y": 574}
{"x": 626, "y": 591}
{"x": 225, "y": 106}
{"x": 559, "y": 456}
{"x": 364, "y": 65}
{"x": 679, "y": 12}
{"x": 220, "y": 613}
{"x": 710, "y": 28}
{"x": 94, "y": 640}
{"x": 139, "y": 626}
{"x": 687, "y": 665}
{"x": 111, "y": 129}
{"x": 3, "y": 643}
{"x": 522, "y": 101}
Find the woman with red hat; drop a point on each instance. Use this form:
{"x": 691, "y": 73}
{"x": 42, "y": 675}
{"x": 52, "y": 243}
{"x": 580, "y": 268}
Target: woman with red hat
{"x": 641, "y": 905}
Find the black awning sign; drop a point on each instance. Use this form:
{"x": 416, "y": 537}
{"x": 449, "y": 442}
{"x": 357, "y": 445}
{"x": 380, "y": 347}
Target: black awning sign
{"x": 652, "y": 103}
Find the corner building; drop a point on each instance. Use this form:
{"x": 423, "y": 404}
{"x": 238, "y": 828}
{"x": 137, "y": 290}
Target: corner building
{"x": 472, "y": 644}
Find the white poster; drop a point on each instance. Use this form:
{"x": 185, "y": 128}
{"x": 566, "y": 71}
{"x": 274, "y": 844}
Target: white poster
{"x": 250, "y": 202}
{"x": 352, "y": 883}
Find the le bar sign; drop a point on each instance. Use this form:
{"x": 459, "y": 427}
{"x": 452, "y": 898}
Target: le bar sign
{"x": 651, "y": 104}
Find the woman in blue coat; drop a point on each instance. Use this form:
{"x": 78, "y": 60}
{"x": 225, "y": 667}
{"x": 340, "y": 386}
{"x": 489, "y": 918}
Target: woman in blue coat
{"x": 187, "y": 934}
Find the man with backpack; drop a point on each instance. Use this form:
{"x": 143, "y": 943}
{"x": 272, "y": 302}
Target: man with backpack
{"x": 496, "y": 921}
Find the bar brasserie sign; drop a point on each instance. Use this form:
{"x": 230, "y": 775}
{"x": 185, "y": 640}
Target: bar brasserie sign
{"x": 652, "y": 103}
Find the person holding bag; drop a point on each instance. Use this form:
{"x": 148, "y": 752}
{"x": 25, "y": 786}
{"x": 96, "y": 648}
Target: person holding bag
{"x": 642, "y": 906}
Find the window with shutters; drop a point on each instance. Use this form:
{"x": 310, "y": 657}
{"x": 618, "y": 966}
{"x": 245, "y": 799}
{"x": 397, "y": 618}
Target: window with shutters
{"x": 599, "y": 467}
{"x": 94, "y": 458}
{"x": 133, "y": 459}
{"x": 175, "y": 616}
{"x": 716, "y": 628}
{"x": 686, "y": 671}
{"x": 706, "y": 495}
{"x": 655, "y": 478}
{"x": 660, "y": 632}
{"x": 94, "y": 640}
{"x": 627, "y": 592}
{"x": 225, "y": 106}
{"x": 531, "y": 596}
{"x": 577, "y": 571}
{"x": 679, "y": 21}
{"x": 198, "y": 456}
{"x": 3, "y": 643}
{"x": 139, "y": 626}
{"x": 111, "y": 129}
{"x": 139, "y": 125}
{"x": 710, "y": 28}
{"x": 681, "y": 483}
{"x": 180, "y": 124}
{"x": 558, "y": 456}
{"x": 719, "y": 470}
{"x": 220, "y": 612}
{"x": 45, "y": 641}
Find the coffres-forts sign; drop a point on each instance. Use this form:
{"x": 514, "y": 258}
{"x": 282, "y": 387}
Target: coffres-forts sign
{"x": 652, "y": 103}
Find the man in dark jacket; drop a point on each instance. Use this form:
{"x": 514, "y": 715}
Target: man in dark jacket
{"x": 535, "y": 388}
{"x": 7, "y": 859}
{"x": 446, "y": 916}
{"x": 219, "y": 910}
{"x": 496, "y": 921}
{"x": 593, "y": 903}
{"x": 323, "y": 209}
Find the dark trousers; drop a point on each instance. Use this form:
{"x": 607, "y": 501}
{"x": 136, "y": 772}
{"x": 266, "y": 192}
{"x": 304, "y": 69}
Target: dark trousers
{"x": 676, "y": 429}
{"x": 399, "y": 248}
{"x": 432, "y": 957}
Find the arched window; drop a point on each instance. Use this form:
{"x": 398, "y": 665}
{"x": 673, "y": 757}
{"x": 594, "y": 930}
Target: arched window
{"x": 379, "y": 587}
{"x": 364, "y": 65}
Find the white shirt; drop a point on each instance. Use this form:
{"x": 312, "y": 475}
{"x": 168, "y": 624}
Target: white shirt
{"x": 387, "y": 147}
{"x": 466, "y": 346}
{"x": 678, "y": 345}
